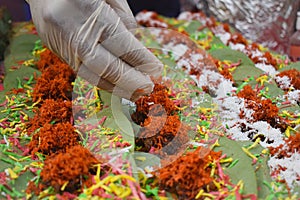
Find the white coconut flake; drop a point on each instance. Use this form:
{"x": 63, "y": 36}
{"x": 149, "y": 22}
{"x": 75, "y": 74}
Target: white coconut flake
{"x": 292, "y": 171}
{"x": 211, "y": 79}
{"x": 273, "y": 137}
{"x": 225, "y": 88}
{"x": 224, "y": 37}
{"x": 182, "y": 63}
{"x": 269, "y": 69}
{"x": 293, "y": 96}
{"x": 284, "y": 82}
{"x": 256, "y": 53}
{"x": 238, "y": 47}
{"x": 196, "y": 57}
{"x": 177, "y": 50}
{"x": 230, "y": 107}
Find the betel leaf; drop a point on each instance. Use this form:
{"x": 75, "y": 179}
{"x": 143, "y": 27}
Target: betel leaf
{"x": 216, "y": 43}
{"x": 192, "y": 27}
{"x": 291, "y": 109}
{"x": 273, "y": 90}
{"x": 116, "y": 119}
{"x": 231, "y": 55}
{"x": 11, "y": 78}
{"x": 143, "y": 160}
{"x": 295, "y": 65}
{"x": 243, "y": 72}
{"x": 262, "y": 170}
{"x": 22, "y": 181}
{"x": 243, "y": 170}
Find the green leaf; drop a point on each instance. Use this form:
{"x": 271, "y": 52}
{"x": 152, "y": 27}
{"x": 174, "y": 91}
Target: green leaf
{"x": 231, "y": 55}
{"x": 11, "y": 78}
{"x": 273, "y": 90}
{"x": 243, "y": 72}
{"x": 22, "y": 181}
{"x": 143, "y": 160}
{"x": 192, "y": 27}
{"x": 295, "y": 65}
{"x": 243, "y": 170}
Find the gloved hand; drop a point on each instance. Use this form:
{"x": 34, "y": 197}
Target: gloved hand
{"x": 93, "y": 37}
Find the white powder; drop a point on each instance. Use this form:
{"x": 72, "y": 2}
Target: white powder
{"x": 211, "y": 79}
{"x": 256, "y": 53}
{"x": 185, "y": 16}
{"x": 182, "y": 63}
{"x": 293, "y": 96}
{"x": 269, "y": 69}
{"x": 224, "y": 37}
{"x": 147, "y": 17}
{"x": 195, "y": 57}
{"x": 177, "y": 50}
{"x": 230, "y": 107}
{"x": 284, "y": 82}
{"x": 224, "y": 88}
{"x": 273, "y": 137}
{"x": 238, "y": 47}
{"x": 292, "y": 168}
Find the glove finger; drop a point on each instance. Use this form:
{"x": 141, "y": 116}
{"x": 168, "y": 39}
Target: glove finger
{"x": 121, "y": 7}
{"x": 95, "y": 80}
{"x": 115, "y": 37}
{"x": 117, "y": 72}
{"x": 125, "y": 46}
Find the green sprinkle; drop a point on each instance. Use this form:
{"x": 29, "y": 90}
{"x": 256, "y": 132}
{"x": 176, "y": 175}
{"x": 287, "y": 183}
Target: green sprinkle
{"x": 94, "y": 145}
{"x": 8, "y": 161}
{"x": 30, "y": 80}
{"x": 241, "y": 87}
{"x": 19, "y": 83}
{"x": 233, "y": 163}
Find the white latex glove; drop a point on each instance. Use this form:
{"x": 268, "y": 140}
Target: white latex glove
{"x": 93, "y": 37}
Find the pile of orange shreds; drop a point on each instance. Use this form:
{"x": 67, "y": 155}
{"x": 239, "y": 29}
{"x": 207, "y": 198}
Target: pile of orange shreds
{"x": 190, "y": 174}
{"x": 264, "y": 109}
{"x": 158, "y": 116}
{"x": 68, "y": 166}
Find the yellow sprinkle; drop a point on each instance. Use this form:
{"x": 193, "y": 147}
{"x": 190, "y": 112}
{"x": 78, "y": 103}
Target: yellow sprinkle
{"x": 286, "y": 113}
{"x": 262, "y": 79}
{"x": 287, "y": 132}
{"x": 232, "y": 69}
{"x": 296, "y": 121}
{"x": 52, "y": 197}
{"x": 216, "y": 144}
{"x": 218, "y": 185}
{"x": 36, "y": 164}
{"x": 28, "y": 196}
{"x": 265, "y": 151}
{"x": 140, "y": 158}
{"x": 122, "y": 176}
{"x": 248, "y": 153}
{"x": 180, "y": 29}
{"x": 227, "y": 160}
{"x": 212, "y": 172}
{"x": 267, "y": 89}
{"x": 97, "y": 177}
{"x": 257, "y": 141}
{"x": 12, "y": 174}
{"x": 29, "y": 62}
{"x": 199, "y": 194}
{"x": 63, "y": 187}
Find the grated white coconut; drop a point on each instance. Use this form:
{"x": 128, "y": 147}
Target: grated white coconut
{"x": 269, "y": 69}
{"x": 292, "y": 173}
{"x": 284, "y": 82}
